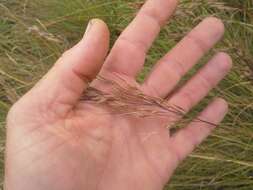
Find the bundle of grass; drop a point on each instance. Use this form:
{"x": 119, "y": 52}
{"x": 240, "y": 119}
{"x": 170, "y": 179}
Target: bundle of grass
{"x": 124, "y": 98}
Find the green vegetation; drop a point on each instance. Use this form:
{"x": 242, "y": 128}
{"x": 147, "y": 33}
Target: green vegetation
{"x": 34, "y": 33}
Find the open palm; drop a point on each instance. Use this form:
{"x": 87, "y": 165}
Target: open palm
{"x": 56, "y": 141}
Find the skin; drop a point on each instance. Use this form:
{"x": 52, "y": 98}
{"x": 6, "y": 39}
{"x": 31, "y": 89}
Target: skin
{"x": 57, "y": 142}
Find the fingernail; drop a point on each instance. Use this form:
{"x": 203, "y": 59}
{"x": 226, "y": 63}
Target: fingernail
{"x": 88, "y": 28}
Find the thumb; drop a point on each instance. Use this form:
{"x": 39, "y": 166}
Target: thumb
{"x": 63, "y": 85}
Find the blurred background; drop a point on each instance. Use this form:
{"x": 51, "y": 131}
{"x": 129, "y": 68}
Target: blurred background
{"x": 34, "y": 33}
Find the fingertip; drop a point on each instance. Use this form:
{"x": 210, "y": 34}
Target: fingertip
{"x": 98, "y": 28}
{"x": 216, "y": 23}
{"x": 221, "y": 105}
{"x": 215, "y": 112}
{"x": 225, "y": 57}
{"x": 213, "y": 28}
{"x": 224, "y": 60}
{"x": 102, "y": 26}
{"x": 87, "y": 56}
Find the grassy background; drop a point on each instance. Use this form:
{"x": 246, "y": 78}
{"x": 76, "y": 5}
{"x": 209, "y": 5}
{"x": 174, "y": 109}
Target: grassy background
{"x": 34, "y": 33}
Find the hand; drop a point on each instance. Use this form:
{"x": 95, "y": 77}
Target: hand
{"x": 56, "y": 141}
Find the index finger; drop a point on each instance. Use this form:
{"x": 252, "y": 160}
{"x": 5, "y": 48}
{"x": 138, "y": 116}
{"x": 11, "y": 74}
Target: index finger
{"x": 137, "y": 38}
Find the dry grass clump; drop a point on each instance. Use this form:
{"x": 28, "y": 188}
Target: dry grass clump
{"x": 126, "y": 99}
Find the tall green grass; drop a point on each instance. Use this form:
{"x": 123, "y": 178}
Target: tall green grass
{"x": 34, "y": 33}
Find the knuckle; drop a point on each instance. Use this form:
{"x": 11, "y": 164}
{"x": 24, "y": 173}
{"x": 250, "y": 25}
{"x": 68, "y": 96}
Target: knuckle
{"x": 197, "y": 42}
